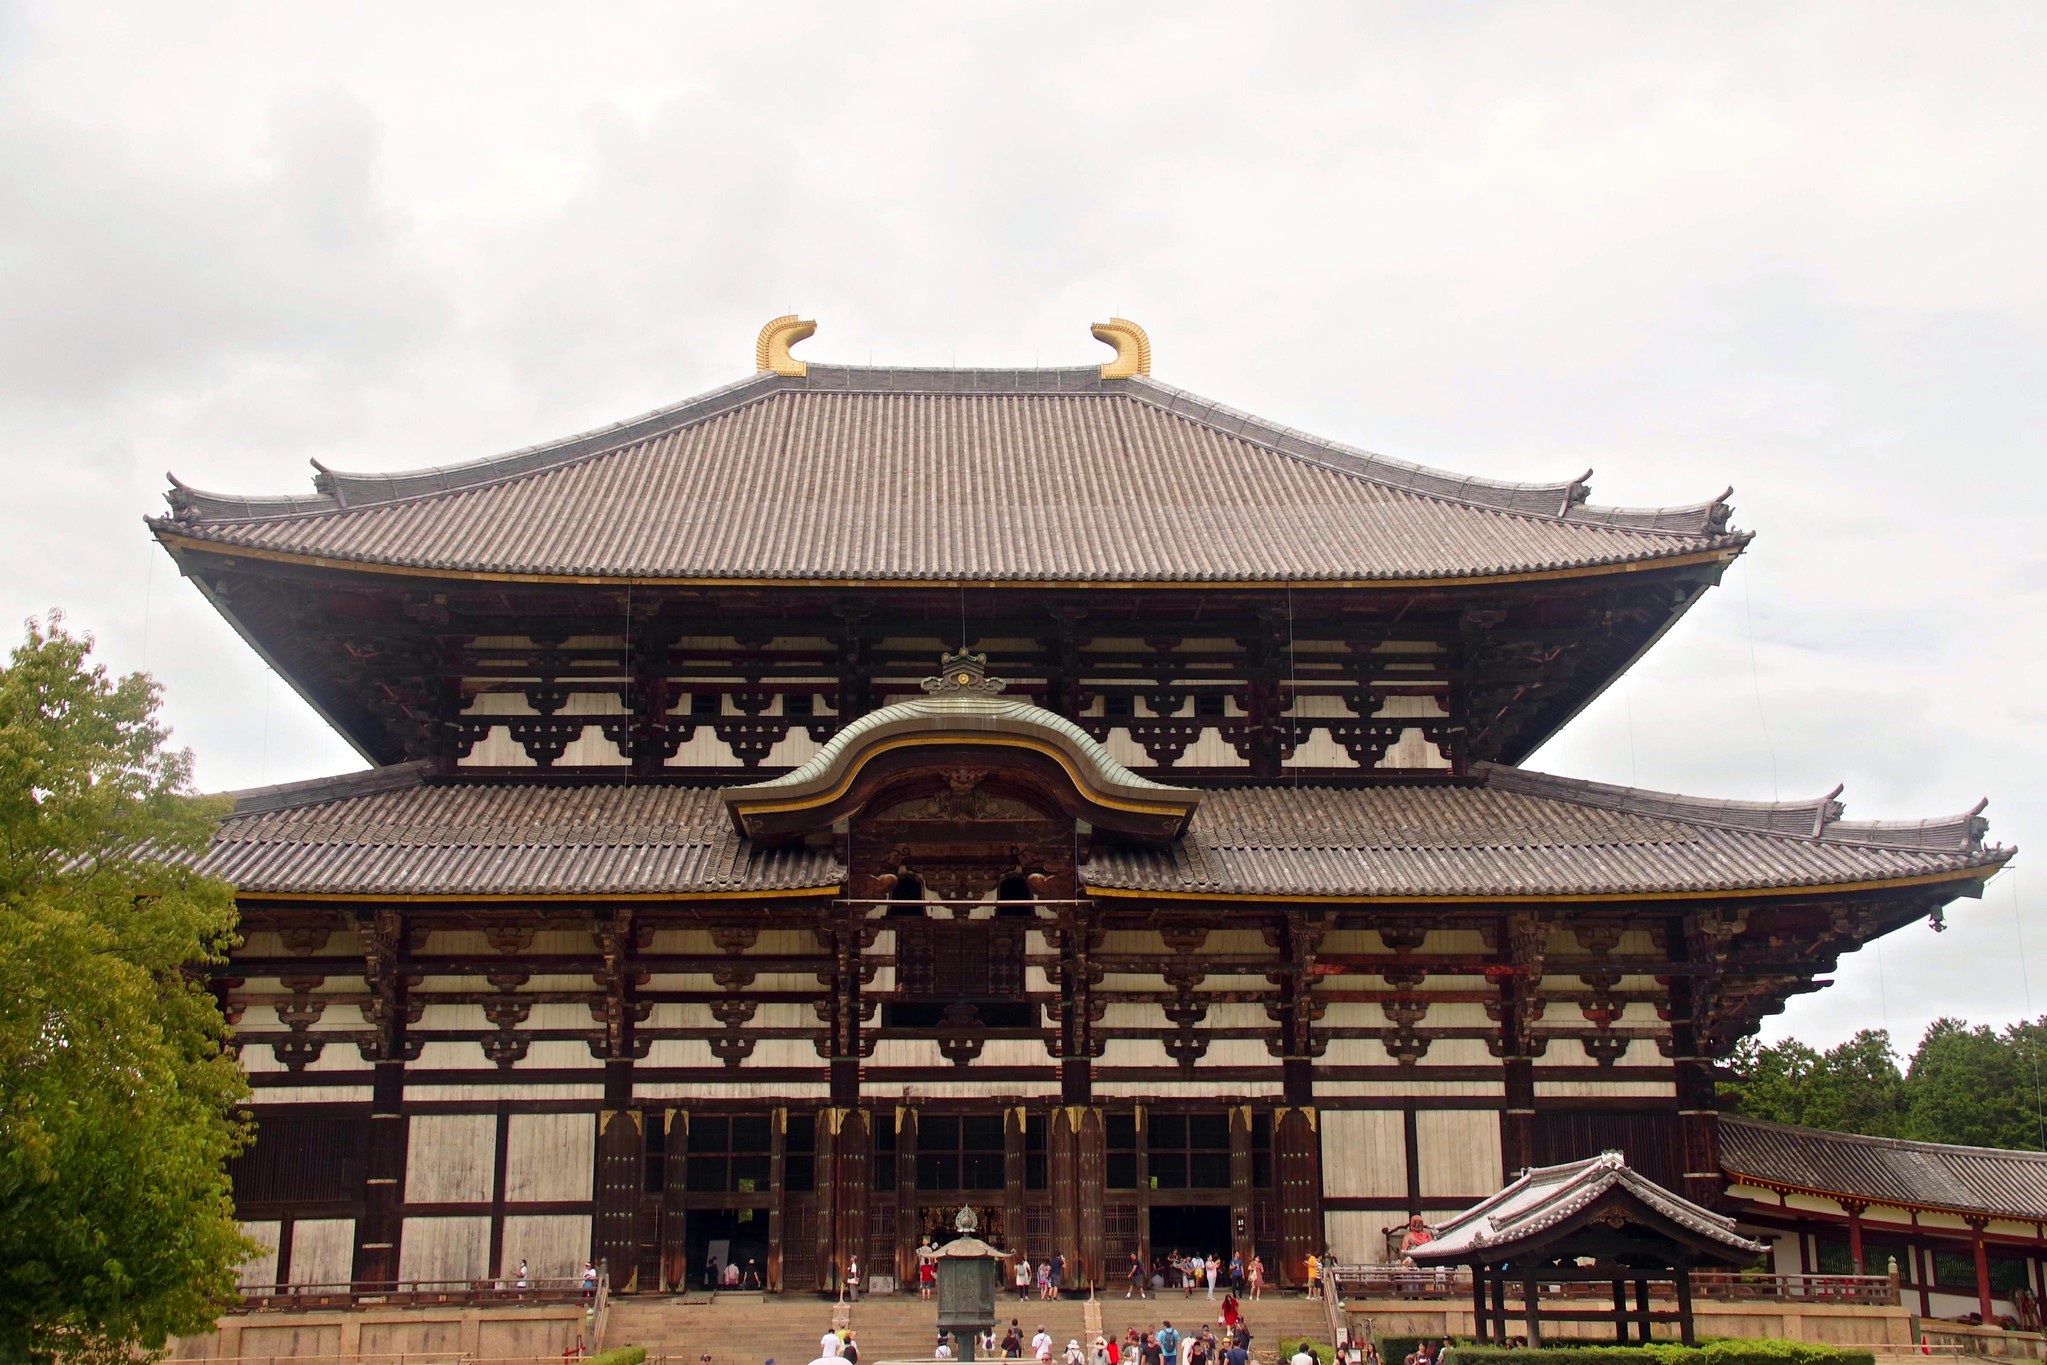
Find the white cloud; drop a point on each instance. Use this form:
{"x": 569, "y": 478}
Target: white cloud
{"x": 1791, "y": 248}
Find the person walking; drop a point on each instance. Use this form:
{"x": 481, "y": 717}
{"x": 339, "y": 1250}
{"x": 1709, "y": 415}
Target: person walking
{"x": 1044, "y": 1281}
{"x": 1169, "y": 1343}
{"x": 1041, "y": 1347}
{"x": 1256, "y": 1277}
{"x": 1023, "y": 1277}
{"x": 1314, "y": 1277}
{"x": 853, "y": 1279}
{"x": 1137, "y": 1276}
{"x": 1058, "y": 1273}
{"x": 1212, "y": 1267}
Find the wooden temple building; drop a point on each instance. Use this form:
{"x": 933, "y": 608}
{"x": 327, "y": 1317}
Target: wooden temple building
{"x": 858, "y": 792}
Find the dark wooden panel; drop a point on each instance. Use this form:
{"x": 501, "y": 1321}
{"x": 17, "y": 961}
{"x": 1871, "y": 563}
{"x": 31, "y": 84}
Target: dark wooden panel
{"x": 302, "y": 1159}
{"x": 1649, "y": 1139}
{"x": 616, "y": 1235}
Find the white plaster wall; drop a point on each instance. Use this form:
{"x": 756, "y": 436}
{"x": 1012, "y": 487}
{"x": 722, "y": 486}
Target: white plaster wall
{"x": 445, "y": 1248}
{"x": 1354, "y": 1238}
{"x": 1364, "y": 1153}
{"x": 323, "y": 1251}
{"x": 550, "y": 1156}
{"x": 1459, "y": 1151}
{"x": 553, "y": 1245}
{"x": 261, "y": 1268}
{"x": 449, "y": 1159}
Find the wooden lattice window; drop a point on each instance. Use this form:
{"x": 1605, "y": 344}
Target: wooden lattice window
{"x": 729, "y": 1156}
{"x": 960, "y": 1152}
{"x": 1189, "y": 1151}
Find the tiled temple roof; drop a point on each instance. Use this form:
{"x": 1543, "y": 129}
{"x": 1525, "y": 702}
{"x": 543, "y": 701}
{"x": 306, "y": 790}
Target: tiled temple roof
{"x": 1512, "y": 834}
{"x": 1544, "y": 1198}
{"x": 918, "y": 475}
{"x": 1891, "y": 1171}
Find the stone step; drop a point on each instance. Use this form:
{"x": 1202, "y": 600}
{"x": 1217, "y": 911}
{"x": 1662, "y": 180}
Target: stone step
{"x": 747, "y": 1329}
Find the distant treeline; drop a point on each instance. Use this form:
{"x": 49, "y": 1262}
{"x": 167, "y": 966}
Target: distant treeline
{"x": 1975, "y": 1086}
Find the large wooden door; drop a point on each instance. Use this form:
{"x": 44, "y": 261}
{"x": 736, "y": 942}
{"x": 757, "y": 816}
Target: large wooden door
{"x": 615, "y": 1232}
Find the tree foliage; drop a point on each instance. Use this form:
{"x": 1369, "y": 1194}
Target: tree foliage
{"x": 1971, "y": 1085}
{"x": 117, "y": 1101}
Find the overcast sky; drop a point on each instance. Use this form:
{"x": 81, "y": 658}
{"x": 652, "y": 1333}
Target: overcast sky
{"x": 1792, "y": 248}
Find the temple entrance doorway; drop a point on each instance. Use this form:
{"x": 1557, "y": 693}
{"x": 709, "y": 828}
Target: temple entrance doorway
{"x": 734, "y": 1237}
{"x": 1191, "y": 1230}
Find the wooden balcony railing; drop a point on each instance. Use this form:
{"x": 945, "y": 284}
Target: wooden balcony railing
{"x": 1398, "y": 1282}
{"x": 409, "y": 1293}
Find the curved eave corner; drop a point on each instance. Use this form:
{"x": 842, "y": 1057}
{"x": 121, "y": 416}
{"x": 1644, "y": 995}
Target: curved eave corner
{"x": 831, "y": 785}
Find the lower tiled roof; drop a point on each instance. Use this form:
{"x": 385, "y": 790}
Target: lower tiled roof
{"x": 394, "y": 831}
{"x": 1543, "y": 1198}
{"x": 1892, "y": 1171}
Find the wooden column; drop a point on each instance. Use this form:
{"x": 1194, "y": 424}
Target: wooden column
{"x": 615, "y": 1231}
{"x": 1854, "y": 1235}
{"x": 1143, "y": 1186}
{"x": 909, "y": 1222}
{"x": 855, "y": 1181}
{"x": 826, "y": 1186}
{"x": 842, "y": 933}
{"x": 778, "y": 1194}
{"x": 380, "y": 1230}
{"x": 1976, "y": 1226}
{"x": 1092, "y": 1144}
{"x": 1297, "y": 1163}
{"x": 675, "y": 1266}
{"x": 1080, "y": 934}
{"x": 1241, "y": 1214}
{"x": 1016, "y": 1232}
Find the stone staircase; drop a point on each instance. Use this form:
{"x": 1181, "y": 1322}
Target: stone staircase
{"x": 749, "y": 1329}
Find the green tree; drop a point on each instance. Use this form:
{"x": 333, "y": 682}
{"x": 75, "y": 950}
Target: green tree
{"x": 118, "y": 1105}
{"x": 1853, "y": 1088}
{"x": 1970, "y": 1085}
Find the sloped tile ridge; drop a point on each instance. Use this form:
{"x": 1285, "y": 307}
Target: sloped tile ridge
{"x": 340, "y": 492}
{"x": 1884, "y": 1144}
{"x": 316, "y": 790}
{"x": 1818, "y": 818}
{"x": 1565, "y": 501}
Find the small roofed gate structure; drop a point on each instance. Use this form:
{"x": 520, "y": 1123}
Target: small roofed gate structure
{"x": 1585, "y": 1223}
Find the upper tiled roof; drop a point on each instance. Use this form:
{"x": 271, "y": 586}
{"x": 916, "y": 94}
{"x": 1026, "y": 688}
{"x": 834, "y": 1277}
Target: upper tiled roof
{"x": 1546, "y": 1197}
{"x": 1893, "y": 1171}
{"x": 390, "y": 832}
{"x": 900, "y": 475}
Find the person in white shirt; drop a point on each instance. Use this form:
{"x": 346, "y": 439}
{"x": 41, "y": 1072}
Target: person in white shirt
{"x": 828, "y": 1345}
{"x": 1302, "y": 1357}
{"x": 944, "y": 1348}
{"x": 1041, "y": 1346}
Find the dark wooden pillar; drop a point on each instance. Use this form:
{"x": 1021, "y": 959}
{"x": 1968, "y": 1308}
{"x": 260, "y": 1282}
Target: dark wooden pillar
{"x": 1241, "y": 1215}
{"x": 1092, "y": 1139}
{"x": 909, "y": 1220}
{"x": 1854, "y": 1236}
{"x": 1479, "y": 1325}
{"x": 1687, "y": 1330}
{"x": 826, "y": 1186}
{"x": 1080, "y": 934}
{"x": 1015, "y": 1230}
{"x": 380, "y": 1230}
{"x": 778, "y": 1194}
{"x": 1138, "y": 1117}
{"x": 614, "y": 1232}
{"x": 675, "y": 1266}
{"x": 1297, "y": 1163}
{"x": 1976, "y": 1226}
{"x": 856, "y": 1165}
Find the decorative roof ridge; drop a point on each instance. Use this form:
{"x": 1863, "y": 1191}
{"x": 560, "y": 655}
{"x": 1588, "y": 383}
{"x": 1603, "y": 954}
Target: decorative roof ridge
{"x": 1886, "y": 1143}
{"x": 1565, "y": 501}
{"x": 1816, "y": 819}
{"x": 341, "y": 492}
{"x": 316, "y": 790}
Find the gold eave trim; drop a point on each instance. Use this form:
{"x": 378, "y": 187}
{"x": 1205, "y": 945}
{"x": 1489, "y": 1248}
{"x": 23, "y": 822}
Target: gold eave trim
{"x": 869, "y": 753}
{"x": 1729, "y": 893}
{"x": 228, "y": 550}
